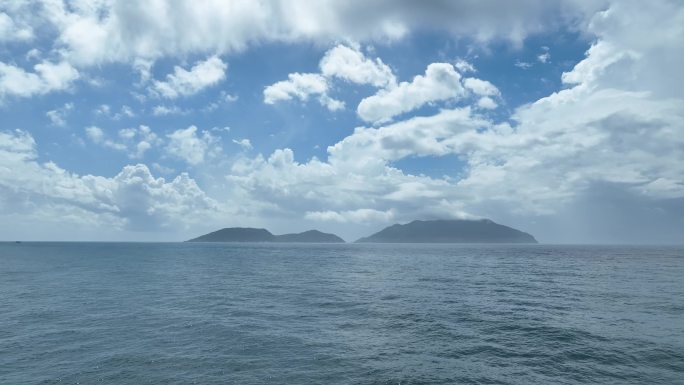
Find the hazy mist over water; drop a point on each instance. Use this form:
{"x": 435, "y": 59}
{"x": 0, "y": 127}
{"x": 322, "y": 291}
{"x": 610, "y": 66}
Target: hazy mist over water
{"x": 340, "y": 314}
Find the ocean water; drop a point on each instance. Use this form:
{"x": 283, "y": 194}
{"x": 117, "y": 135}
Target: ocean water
{"x": 122, "y": 313}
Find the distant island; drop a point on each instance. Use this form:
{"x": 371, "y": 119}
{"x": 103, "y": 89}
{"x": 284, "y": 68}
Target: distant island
{"x": 436, "y": 231}
{"x": 249, "y": 234}
{"x": 449, "y": 231}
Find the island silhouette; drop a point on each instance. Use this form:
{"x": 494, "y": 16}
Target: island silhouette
{"x": 449, "y": 231}
{"x": 249, "y": 234}
{"x": 433, "y": 231}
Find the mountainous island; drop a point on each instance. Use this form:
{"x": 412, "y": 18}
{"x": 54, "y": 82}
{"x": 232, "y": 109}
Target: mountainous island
{"x": 248, "y": 234}
{"x": 436, "y": 231}
{"x": 449, "y": 231}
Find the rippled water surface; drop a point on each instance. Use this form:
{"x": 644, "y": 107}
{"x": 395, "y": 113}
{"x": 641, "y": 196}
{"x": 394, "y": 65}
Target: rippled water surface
{"x": 340, "y": 314}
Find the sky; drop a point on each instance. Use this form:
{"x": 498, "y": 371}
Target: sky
{"x": 163, "y": 120}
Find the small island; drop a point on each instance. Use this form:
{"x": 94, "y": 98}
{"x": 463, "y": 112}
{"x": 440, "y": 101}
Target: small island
{"x": 249, "y": 234}
{"x": 449, "y": 231}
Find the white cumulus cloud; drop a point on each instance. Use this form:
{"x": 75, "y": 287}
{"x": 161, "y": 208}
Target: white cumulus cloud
{"x": 184, "y": 82}
{"x": 342, "y": 62}
{"x": 192, "y": 146}
{"x": 440, "y": 82}
{"x": 487, "y": 103}
{"x": 162, "y": 110}
{"x": 135, "y": 142}
{"x": 38, "y": 196}
{"x": 544, "y": 57}
{"x": 58, "y": 116}
{"x": 481, "y": 87}
{"x": 350, "y": 64}
{"x": 11, "y": 31}
{"x": 48, "y": 77}
{"x": 246, "y": 144}
{"x": 302, "y": 86}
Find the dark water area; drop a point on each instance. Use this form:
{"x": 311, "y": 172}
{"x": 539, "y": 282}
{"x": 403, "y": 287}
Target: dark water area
{"x": 340, "y": 314}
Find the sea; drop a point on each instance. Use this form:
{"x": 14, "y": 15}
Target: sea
{"x": 211, "y": 313}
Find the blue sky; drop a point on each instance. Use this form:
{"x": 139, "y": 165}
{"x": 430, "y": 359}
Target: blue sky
{"x": 160, "y": 121}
